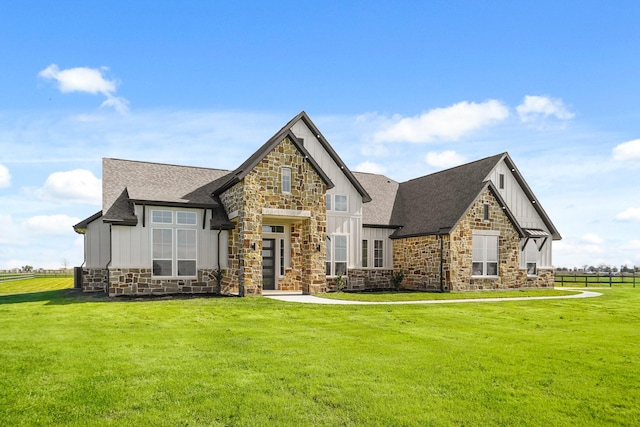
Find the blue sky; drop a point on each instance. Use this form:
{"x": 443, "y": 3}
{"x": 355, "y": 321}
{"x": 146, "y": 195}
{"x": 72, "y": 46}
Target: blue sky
{"x": 401, "y": 88}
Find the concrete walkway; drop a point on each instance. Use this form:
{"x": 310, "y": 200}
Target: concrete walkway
{"x": 310, "y": 299}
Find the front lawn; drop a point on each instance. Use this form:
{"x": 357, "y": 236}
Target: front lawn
{"x": 72, "y": 359}
{"x": 394, "y": 296}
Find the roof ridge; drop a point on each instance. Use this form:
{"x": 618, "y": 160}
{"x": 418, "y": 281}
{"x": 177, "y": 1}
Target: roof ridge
{"x": 166, "y": 164}
{"x": 454, "y": 167}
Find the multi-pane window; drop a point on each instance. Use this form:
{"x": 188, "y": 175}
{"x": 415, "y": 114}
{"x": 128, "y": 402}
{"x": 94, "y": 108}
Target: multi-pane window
{"x": 485, "y": 255}
{"x": 162, "y": 244}
{"x": 341, "y": 203}
{"x": 174, "y": 249}
{"x": 340, "y": 255}
{"x": 185, "y": 218}
{"x": 282, "y": 270}
{"x": 365, "y": 253}
{"x": 162, "y": 217}
{"x": 187, "y": 251}
{"x": 378, "y": 253}
{"x": 337, "y": 255}
{"x": 286, "y": 180}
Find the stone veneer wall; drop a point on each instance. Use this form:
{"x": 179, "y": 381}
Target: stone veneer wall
{"x": 261, "y": 188}
{"x": 95, "y": 279}
{"x": 461, "y": 256}
{"x": 365, "y": 280}
{"x": 419, "y": 257}
{"x": 138, "y": 281}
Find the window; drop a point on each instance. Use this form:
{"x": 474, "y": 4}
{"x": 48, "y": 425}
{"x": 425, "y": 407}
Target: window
{"x": 328, "y": 197}
{"x": 485, "y": 214}
{"x": 186, "y": 241}
{"x": 186, "y": 218}
{"x": 162, "y": 217}
{"x": 365, "y": 253}
{"x": 378, "y": 252}
{"x": 501, "y": 181}
{"x": 530, "y": 254}
{"x": 273, "y": 228}
{"x": 174, "y": 251}
{"x": 341, "y": 203}
{"x": 328, "y": 269}
{"x": 162, "y": 243}
{"x": 485, "y": 255}
{"x": 337, "y": 255}
{"x": 340, "y": 256}
{"x": 286, "y": 180}
{"x": 282, "y": 271}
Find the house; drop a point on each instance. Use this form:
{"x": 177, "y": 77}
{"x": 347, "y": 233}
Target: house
{"x": 294, "y": 217}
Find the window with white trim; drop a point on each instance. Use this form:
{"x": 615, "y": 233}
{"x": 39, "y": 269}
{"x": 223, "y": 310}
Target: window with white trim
{"x": 162, "y": 244}
{"x": 286, "y": 180}
{"x": 485, "y": 255}
{"x": 328, "y": 198}
{"x": 365, "y": 253}
{"x": 174, "y": 247}
{"x": 337, "y": 255}
{"x": 378, "y": 253}
{"x": 530, "y": 254}
{"x": 341, "y": 204}
{"x": 161, "y": 217}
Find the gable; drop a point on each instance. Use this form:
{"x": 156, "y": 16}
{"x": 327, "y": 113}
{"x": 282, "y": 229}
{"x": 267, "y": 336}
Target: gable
{"x": 519, "y": 197}
{"x": 434, "y": 203}
{"x": 229, "y": 180}
{"x": 320, "y": 149}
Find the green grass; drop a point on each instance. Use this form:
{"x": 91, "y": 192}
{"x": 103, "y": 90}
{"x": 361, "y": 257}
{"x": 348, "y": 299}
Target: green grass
{"x": 427, "y": 296}
{"x": 35, "y": 285}
{"x": 73, "y": 359}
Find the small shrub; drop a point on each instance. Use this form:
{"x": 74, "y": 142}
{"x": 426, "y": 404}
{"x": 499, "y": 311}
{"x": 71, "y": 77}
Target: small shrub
{"x": 339, "y": 283}
{"x": 396, "y": 278}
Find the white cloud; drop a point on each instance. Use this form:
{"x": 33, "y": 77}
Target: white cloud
{"x": 444, "y": 159}
{"x": 633, "y": 245}
{"x": 631, "y": 214}
{"x": 87, "y": 80}
{"x": 450, "y": 123}
{"x": 534, "y": 108}
{"x": 627, "y": 150}
{"x": 593, "y": 239}
{"x": 371, "y": 167}
{"x": 76, "y": 186}
{"x": 50, "y": 225}
{"x": 5, "y": 177}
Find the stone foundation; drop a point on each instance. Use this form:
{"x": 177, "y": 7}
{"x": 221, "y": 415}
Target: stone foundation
{"x": 138, "y": 281}
{"x": 95, "y": 279}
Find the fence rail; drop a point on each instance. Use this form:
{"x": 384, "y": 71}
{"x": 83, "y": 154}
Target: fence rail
{"x": 8, "y": 277}
{"x": 587, "y": 280}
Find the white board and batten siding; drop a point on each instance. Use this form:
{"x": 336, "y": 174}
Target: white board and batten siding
{"x": 521, "y": 207}
{"x": 346, "y": 223}
{"x": 97, "y": 247}
{"x": 132, "y": 245}
{"x": 372, "y": 234}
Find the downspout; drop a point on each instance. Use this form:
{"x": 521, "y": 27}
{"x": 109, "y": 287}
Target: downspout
{"x": 219, "y": 232}
{"x": 441, "y": 264}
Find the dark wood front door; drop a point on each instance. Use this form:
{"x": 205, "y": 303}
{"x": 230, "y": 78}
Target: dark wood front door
{"x": 268, "y": 264}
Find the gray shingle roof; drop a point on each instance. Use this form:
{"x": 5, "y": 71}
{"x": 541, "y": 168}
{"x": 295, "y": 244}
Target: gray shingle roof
{"x": 127, "y": 181}
{"x": 383, "y": 196}
{"x": 436, "y": 202}
{"x": 156, "y": 182}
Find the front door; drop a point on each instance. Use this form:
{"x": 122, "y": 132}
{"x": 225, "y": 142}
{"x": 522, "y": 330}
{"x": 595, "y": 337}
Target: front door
{"x": 268, "y": 264}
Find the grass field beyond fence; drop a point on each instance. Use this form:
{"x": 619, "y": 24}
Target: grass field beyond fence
{"x": 597, "y": 280}
{"x": 75, "y": 359}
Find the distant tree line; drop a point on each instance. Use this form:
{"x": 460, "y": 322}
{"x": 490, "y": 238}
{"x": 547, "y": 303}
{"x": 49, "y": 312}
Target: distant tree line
{"x": 600, "y": 269}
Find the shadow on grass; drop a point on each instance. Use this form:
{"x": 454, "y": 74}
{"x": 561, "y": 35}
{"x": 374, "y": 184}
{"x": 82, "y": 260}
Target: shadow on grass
{"x": 56, "y": 297}
{"x": 75, "y": 296}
